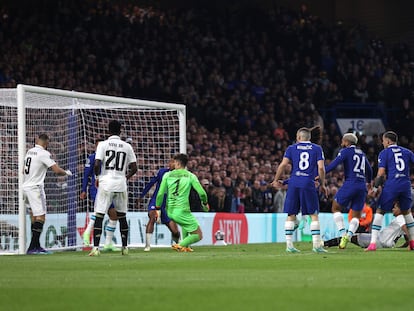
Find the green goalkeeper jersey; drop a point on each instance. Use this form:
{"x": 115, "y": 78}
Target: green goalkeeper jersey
{"x": 177, "y": 184}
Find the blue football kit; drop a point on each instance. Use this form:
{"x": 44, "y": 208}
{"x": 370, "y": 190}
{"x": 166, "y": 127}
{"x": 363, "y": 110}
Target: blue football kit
{"x": 156, "y": 180}
{"x": 357, "y": 172}
{"x": 396, "y": 161}
{"x": 301, "y": 194}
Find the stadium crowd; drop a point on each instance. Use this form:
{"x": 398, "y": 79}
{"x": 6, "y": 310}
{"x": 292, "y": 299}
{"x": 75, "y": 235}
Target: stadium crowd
{"x": 249, "y": 78}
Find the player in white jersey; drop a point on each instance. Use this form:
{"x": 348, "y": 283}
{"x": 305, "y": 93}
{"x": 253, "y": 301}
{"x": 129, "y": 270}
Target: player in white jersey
{"x": 390, "y": 234}
{"x": 115, "y": 163}
{"x": 36, "y": 163}
{"x": 89, "y": 182}
{"x": 387, "y": 236}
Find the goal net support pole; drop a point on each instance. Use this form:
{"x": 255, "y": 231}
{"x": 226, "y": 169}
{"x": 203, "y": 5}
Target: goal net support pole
{"x": 21, "y": 138}
{"x": 73, "y": 154}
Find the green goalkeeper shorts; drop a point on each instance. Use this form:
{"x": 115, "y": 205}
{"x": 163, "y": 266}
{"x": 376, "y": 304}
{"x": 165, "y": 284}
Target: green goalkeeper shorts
{"x": 185, "y": 219}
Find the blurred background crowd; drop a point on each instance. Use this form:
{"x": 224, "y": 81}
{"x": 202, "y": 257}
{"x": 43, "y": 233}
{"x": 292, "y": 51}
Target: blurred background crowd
{"x": 249, "y": 78}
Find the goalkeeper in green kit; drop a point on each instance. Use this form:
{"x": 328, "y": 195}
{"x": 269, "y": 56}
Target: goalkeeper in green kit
{"x": 177, "y": 185}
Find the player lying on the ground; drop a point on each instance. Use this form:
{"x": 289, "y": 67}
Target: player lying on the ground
{"x": 387, "y": 237}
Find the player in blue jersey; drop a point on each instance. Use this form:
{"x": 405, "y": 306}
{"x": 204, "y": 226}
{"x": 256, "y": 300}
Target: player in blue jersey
{"x": 88, "y": 183}
{"x": 394, "y": 173}
{"x": 161, "y": 215}
{"x": 305, "y": 158}
{"x": 358, "y": 172}
{"x": 316, "y": 138}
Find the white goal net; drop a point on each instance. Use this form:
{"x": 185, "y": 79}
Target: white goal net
{"x": 73, "y": 121}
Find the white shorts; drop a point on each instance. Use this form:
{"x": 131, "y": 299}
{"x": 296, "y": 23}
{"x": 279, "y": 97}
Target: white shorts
{"x": 35, "y": 200}
{"x": 104, "y": 199}
{"x": 364, "y": 239}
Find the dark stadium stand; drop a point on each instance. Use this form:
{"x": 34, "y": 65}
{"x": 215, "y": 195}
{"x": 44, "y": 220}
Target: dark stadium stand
{"x": 243, "y": 73}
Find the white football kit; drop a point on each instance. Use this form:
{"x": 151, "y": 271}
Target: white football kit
{"x": 36, "y": 163}
{"x": 387, "y": 236}
{"x": 116, "y": 156}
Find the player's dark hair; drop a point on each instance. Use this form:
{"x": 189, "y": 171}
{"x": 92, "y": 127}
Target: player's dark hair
{"x": 182, "y": 158}
{"x": 114, "y": 127}
{"x": 316, "y": 134}
{"x": 391, "y": 136}
{"x": 43, "y": 137}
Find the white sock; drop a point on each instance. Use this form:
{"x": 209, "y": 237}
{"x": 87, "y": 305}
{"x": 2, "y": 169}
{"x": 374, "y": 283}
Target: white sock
{"x": 376, "y": 227}
{"x": 91, "y": 223}
{"x": 148, "y": 237}
{"x": 289, "y": 228}
{"x": 110, "y": 231}
{"x": 353, "y": 226}
{"x": 409, "y": 222}
{"x": 316, "y": 233}
{"x": 339, "y": 221}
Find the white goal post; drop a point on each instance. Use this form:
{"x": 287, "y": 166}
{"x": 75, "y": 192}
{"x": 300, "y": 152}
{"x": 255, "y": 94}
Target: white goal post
{"x": 73, "y": 121}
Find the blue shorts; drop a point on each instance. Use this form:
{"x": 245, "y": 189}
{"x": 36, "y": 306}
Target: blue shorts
{"x": 352, "y": 195}
{"x": 390, "y": 194}
{"x": 304, "y": 199}
{"x": 164, "y": 217}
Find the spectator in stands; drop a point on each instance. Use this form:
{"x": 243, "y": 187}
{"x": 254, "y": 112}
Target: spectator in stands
{"x": 229, "y": 194}
{"x": 268, "y": 194}
{"x": 245, "y": 196}
{"x": 195, "y": 202}
{"x": 279, "y": 199}
{"x": 280, "y": 132}
{"x": 236, "y": 206}
{"x": 256, "y": 85}
{"x": 257, "y": 197}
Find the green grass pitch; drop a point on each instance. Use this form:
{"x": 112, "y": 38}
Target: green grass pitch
{"x": 234, "y": 277}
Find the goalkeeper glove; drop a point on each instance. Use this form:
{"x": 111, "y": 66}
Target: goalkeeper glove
{"x": 158, "y": 217}
{"x": 68, "y": 172}
{"x": 205, "y": 206}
